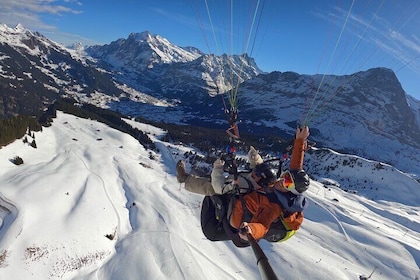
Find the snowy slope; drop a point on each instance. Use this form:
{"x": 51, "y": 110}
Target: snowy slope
{"x": 367, "y": 113}
{"x": 90, "y": 203}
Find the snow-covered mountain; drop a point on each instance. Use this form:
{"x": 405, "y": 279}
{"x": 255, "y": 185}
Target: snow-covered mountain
{"x": 35, "y": 71}
{"x": 367, "y": 114}
{"x": 142, "y": 51}
{"x": 143, "y": 58}
{"x": 91, "y": 203}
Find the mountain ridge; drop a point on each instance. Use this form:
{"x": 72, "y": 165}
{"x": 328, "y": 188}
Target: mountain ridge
{"x": 125, "y": 214}
{"x": 366, "y": 113}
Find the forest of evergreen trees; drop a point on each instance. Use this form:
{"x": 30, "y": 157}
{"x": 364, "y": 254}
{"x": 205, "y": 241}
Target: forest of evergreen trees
{"x": 204, "y": 139}
{"x": 88, "y": 111}
{"x": 15, "y": 128}
{"x": 207, "y": 139}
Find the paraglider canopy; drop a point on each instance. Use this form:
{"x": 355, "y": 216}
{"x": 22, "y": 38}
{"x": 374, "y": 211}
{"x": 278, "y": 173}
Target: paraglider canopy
{"x": 231, "y": 30}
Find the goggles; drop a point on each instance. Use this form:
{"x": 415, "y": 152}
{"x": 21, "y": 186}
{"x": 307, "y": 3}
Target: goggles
{"x": 288, "y": 182}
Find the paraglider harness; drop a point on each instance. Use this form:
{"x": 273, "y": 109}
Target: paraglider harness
{"x": 216, "y": 210}
{"x": 233, "y": 130}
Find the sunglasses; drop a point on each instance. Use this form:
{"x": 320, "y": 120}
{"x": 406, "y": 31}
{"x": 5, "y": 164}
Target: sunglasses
{"x": 288, "y": 182}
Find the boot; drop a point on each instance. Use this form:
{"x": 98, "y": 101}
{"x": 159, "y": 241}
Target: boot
{"x": 181, "y": 172}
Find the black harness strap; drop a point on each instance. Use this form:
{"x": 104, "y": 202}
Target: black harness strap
{"x": 233, "y": 235}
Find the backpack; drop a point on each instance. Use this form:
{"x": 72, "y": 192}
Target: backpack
{"x": 214, "y": 223}
{"x": 213, "y": 211}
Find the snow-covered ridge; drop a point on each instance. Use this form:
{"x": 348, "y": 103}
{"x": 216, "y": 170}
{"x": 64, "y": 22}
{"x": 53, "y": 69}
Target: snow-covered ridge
{"x": 369, "y": 178}
{"x": 367, "y": 113}
{"x": 142, "y": 50}
{"x": 125, "y": 215}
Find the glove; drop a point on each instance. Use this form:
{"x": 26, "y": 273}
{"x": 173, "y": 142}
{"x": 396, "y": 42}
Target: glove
{"x": 302, "y": 133}
{"x": 218, "y": 163}
{"x": 253, "y": 157}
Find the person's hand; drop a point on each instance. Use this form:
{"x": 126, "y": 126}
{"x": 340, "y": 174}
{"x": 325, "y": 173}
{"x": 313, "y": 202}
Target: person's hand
{"x": 253, "y": 157}
{"x": 252, "y": 154}
{"x": 244, "y": 230}
{"x": 302, "y": 133}
{"x": 218, "y": 163}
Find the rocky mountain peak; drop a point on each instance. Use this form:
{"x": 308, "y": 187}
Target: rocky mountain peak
{"x": 140, "y": 37}
{"x": 366, "y": 113}
{"x": 141, "y": 51}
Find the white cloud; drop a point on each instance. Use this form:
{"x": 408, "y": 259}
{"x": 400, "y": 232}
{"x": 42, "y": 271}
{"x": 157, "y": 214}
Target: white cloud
{"x": 35, "y": 6}
{"x": 74, "y": 1}
{"x": 390, "y": 37}
{"x": 27, "y": 12}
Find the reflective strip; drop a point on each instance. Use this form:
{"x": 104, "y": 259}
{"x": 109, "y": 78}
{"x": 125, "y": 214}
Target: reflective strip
{"x": 289, "y": 234}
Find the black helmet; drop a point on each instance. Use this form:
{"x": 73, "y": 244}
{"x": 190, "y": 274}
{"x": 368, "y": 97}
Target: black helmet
{"x": 267, "y": 174}
{"x": 301, "y": 180}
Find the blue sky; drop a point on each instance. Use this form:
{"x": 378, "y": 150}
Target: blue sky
{"x": 335, "y": 37}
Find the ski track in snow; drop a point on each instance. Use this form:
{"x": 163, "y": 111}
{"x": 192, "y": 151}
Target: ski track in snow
{"x": 104, "y": 188}
{"x": 8, "y": 215}
{"x": 320, "y": 203}
{"x": 158, "y": 223}
{"x": 330, "y": 212}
